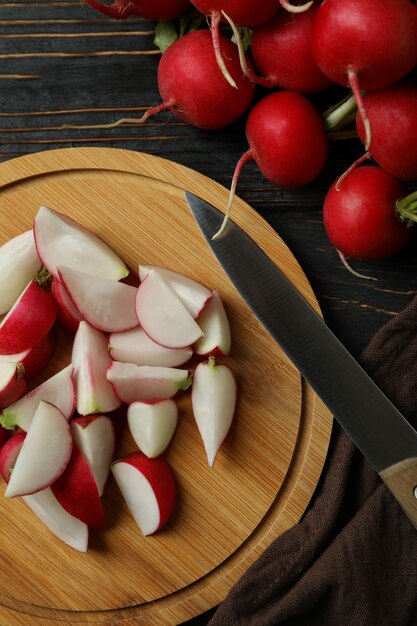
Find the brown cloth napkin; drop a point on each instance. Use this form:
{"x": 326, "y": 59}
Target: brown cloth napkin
{"x": 352, "y": 559}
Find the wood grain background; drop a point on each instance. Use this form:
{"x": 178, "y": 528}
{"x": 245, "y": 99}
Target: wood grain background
{"x": 61, "y": 63}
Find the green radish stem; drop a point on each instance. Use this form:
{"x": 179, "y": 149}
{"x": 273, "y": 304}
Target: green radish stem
{"x": 406, "y": 208}
{"x": 43, "y": 277}
{"x": 341, "y": 114}
{"x": 247, "y": 156}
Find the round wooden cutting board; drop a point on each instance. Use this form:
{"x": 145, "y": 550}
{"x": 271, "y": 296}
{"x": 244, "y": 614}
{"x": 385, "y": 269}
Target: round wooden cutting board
{"x": 266, "y": 470}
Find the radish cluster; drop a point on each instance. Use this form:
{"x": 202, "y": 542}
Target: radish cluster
{"x": 130, "y": 348}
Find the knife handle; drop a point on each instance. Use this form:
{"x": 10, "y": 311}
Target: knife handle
{"x": 401, "y": 479}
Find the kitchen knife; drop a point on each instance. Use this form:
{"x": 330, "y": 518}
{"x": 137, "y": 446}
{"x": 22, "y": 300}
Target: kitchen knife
{"x": 378, "y": 429}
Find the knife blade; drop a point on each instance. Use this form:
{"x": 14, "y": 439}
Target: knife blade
{"x": 376, "y": 426}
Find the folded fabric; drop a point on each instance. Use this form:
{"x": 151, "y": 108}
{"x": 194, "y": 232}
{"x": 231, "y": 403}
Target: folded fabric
{"x": 352, "y": 559}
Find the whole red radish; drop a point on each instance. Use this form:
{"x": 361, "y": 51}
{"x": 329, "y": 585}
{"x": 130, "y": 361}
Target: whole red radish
{"x": 360, "y": 215}
{"x": 281, "y": 53}
{"x": 392, "y": 113}
{"x": 149, "y": 9}
{"x": 30, "y": 319}
{"x": 192, "y": 86}
{"x": 365, "y": 44}
{"x": 287, "y": 140}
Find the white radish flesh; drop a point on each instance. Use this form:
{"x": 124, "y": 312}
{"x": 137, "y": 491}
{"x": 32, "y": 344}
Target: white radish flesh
{"x": 19, "y": 262}
{"x": 91, "y": 360}
{"x": 213, "y": 321}
{"x": 152, "y": 425}
{"x": 163, "y": 316}
{"x": 213, "y": 397}
{"x": 60, "y": 240}
{"x": 134, "y": 346}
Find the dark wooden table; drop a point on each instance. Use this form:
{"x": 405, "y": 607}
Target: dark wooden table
{"x": 61, "y": 63}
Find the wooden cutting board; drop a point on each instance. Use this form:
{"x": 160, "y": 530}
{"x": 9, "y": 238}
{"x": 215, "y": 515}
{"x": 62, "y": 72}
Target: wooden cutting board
{"x": 269, "y": 465}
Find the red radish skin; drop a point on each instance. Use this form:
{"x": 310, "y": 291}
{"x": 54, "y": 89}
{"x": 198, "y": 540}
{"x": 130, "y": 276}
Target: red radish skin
{"x": 77, "y": 492}
{"x": 392, "y": 113}
{"x": 281, "y": 52}
{"x": 149, "y": 9}
{"x": 160, "y": 477}
{"x": 30, "y": 319}
{"x": 360, "y": 218}
{"x": 68, "y": 316}
{"x": 365, "y": 44}
{"x": 287, "y": 140}
{"x": 242, "y": 12}
{"x": 9, "y": 453}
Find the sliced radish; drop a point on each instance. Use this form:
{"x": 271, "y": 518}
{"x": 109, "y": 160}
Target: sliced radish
{"x": 29, "y": 319}
{"x": 91, "y": 359}
{"x": 9, "y": 453}
{"x": 134, "y": 346}
{"x": 68, "y": 316}
{"x": 106, "y": 304}
{"x": 12, "y": 383}
{"x": 213, "y": 321}
{"x": 148, "y": 487}
{"x": 45, "y": 452}
{"x": 58, "y": 390}
{"x": 34, "y": 359}
{"x": 96, "y": 438}
{"x": 19, "y": 262}
{"x": 152, "y": 425}
{"x": 192, "y": 294}
{"x": 68, "y": 528}
{"x": 60, "y": 240}
{"x": 77, "y": 492}
{"x": 163, "y": 316}
{"x": 132, "y": 383}
{"x": 213, "y": 396}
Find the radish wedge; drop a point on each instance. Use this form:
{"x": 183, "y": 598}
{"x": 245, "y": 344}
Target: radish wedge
{"x": 148, "y": 486}
{"x": 9, "y": 453}
{"x": 152, "y": 425}
{"x": 96, "y": 438}
{"x": 132, "y": 383}
{"x": 19, "y": 262}
{"x": 68, "y": 316}
{"x": 45, "y": 452}
{"x": 106, "y": 304}
{"x": 58, "y": 390}
{"x": 213, "y": 397}
{"x": 134, "y": 346}
{"x": 192, "y": 294}
{"x": 163, "y": 316}
{"x": 213, "y": 322}
{"x": 30, "y": 318}
{"x": 68, "y": 528}
{"x": 12, "y": 383}
{"x": 91, "y": 359}
{"x": 60, "y": 240}
{"x": 34, "y": 359}
{"x": 76, "y": 490}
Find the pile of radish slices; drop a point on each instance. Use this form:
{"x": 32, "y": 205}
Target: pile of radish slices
{"x": 130, "y": 347}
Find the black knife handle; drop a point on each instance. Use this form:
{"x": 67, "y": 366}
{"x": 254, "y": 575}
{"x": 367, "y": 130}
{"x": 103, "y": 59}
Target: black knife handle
{"x": 401, "y": 479}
